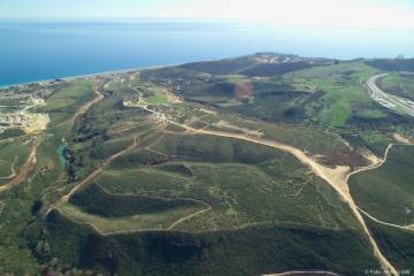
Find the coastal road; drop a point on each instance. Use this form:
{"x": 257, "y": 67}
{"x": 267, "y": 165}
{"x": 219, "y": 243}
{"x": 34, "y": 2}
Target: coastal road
{"x": 397, "y": 104}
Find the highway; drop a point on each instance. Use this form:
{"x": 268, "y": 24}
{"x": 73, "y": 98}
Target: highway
{"x": 397, "y": 104}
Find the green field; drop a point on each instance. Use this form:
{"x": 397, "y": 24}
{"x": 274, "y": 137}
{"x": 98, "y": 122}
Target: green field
{"x": 341, "y": 88}
{"x": 69, "y": 96}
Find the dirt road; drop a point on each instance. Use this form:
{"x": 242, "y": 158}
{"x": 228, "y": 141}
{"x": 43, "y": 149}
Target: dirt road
{"x": 336, "y": 178}
{"x": 64, "y": 199}
{"x": 190, "y": 216}
{"x": 401, "y": 227}
{"x": 373, "y": 166}
{"x": 12, "y": 171}
{"x": 25, "y": 170}
{"x": 84, "y": 108}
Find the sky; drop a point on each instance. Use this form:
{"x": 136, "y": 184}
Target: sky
{"x": 365, "y": 14}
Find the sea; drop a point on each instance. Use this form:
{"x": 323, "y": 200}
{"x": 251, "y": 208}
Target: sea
{"x": 31, "y": 51}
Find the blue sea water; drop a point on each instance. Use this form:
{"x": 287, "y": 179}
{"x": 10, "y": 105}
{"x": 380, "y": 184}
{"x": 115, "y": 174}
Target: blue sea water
{"x": 32, "y": 51}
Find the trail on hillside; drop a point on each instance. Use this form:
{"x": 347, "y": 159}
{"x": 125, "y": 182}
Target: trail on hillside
{"x": 64, "y": 199}
{"x": 84, "y": 108}
{"x": 12, "y": 170}
{"x": 27, "y": 168}
{"x": 374, "y": 166}
{"x": 401, "y": 227}
{"x": 336, "y": 178}
{"x": 190, "y": 216}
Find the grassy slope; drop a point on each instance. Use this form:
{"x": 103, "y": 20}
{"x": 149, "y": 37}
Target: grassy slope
{"x": 335, "y": 99}
{"x": 343, "y": 92}
{"x": 270, "y": 190}
{"x": 62, "y": 104}
{"x": 141, "y": 222}
{"x": 387, "y": 192}
{"x": 392, "y": 64}
{"x": 309, "y": 226}
{"x": 15, "y": 257}
{"x": 211, "y": 253}
{"x": 19, "y": 149}
{"x": 399, "y": 84}
{"x": 95, "y": 200}
{"x": 243, "y": 182}
{"x": 43, "y": 184}
{"x": 396, "y": 244}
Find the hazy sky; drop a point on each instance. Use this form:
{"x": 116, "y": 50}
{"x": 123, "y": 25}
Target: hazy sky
{"x": 382, "y": 14}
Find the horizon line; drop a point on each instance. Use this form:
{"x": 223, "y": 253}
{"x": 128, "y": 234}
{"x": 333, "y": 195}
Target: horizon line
{"x": 117, "y": 19}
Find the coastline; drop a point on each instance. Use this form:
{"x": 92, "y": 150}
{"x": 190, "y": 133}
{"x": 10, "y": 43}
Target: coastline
{"x": 120, "y": 71}
{"x": 74, "y": 77}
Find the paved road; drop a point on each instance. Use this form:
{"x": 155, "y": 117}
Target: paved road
{"x": 397, "y": 104}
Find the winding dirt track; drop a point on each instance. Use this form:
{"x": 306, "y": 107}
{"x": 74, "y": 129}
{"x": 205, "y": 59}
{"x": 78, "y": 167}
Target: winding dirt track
{"x": 84, "y": 108}
{"x": 374, "y": 166}
{"x": 336, "y": 178}
{"x": 64, "y": 199}
{"x": 190, "y": 216}
{"x": 13, "y": 171}
{"x": 25, "y": 170}
{"x": 401, "y": 227}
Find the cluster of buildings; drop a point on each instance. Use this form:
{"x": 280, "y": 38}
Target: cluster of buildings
{"x": 14, "y": 120}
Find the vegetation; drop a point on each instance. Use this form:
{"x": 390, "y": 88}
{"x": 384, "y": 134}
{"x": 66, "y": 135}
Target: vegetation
{"x": 396, "y": 244}
{"x": 386, "y": 193}
{"x": 157, "y": 253}
{"x": 399, "y": 84}
{"x": 11, "y": 133}
{"x": 94, "y": 200}
{"x": 137, "y": 174}
{"x": 398, "y": 64}
{"x": 69, "y": 96}
{"x": 13, "y": 155}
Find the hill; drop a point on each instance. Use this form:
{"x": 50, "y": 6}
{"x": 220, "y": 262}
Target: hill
{"x": 245, "y": 166}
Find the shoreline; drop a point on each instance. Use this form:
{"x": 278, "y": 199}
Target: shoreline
{"x": 120, "y": 71}
{"x": 74, "y": 77}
